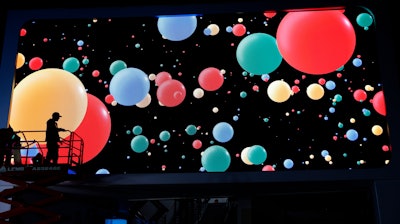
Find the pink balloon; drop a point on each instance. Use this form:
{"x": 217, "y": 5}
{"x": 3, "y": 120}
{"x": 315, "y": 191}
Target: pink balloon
{"x": 161, "y": 77}
{"x": 316, "y": 42}
{"x": 378, "y": 102}
{"x": 94, "y": 129}
{"x": 211, "y": 79}
{"x": 268, "y": 168}
{"x": 171, "y": 93}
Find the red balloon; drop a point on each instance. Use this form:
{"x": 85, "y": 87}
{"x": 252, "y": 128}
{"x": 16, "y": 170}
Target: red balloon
{"x": 360, "y": 95}
{"x": 109, "y": 99}
{"x": 94, "y": 129}
{"x": 316, "y": 42}
{"x": 238, "y": 30}
{"x": 269, "y": 14}
{"x": 35, "y": 63}
{"x": 211, "y": 79}
{"x": 171, "y": 93}
{"x": 378, "y": 102}
{"x": 22, "y": 32}
{"x": 197, "y": 144}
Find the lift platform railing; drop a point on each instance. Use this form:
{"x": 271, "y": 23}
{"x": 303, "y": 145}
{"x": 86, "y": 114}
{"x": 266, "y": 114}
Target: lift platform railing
{"x": 34, "y": 151}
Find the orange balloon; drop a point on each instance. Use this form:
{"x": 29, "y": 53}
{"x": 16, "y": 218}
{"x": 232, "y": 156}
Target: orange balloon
{"x": 20, "y": 60}
{"x": 43, "y": 92}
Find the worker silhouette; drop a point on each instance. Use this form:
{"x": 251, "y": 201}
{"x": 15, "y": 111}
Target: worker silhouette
{"x": 8, "y": 140}
{"x": 53, "y": 139}
{"x": 10, "y": 144}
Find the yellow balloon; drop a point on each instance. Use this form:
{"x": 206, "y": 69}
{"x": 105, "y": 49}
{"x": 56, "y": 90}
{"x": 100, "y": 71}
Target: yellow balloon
{"x": 315, "y": 91}
{"x": 377, "y": 130}
{"x": 20, "y": 60}
{"x": 43, "y": 92}
{"x": 279, "y": 91}
{"x": 243, "y": 156}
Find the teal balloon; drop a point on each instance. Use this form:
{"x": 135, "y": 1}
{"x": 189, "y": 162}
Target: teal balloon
{"x": 364, "y": 20}
{"x": 129, "y": 86}
{"x": 71, "y": 64}
{"x": 215, "y": 159}
{"x": 137, "y": 130}
{"x": 165, "y": 136}
{"x": 139, "y": 143}
{"x": 191, "y": 129}
{"x": 258, "y": 53}
{"x": 223, "y": 132}
{"x": 256, "y": 154}
{"x": 117, "y": 66}
{"x": 177, "y": 27}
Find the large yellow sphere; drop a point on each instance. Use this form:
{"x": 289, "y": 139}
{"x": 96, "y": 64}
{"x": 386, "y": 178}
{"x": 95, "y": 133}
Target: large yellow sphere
{"x": 43, "y": 92}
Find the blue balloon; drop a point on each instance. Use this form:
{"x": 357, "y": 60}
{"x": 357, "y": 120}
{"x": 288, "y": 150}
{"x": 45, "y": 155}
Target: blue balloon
{"x": 177, "y": 27}
{"x": 288, "y": 163}
{"x": 215, "y": 159}
{"x": 129, "y": 86}
{"x": 352, "y": 134}
{"x": 29, "y": 152}
{"x": 80, "y": 43}
{"x": 258, "y": 53}
{"x": 223, "y": 132}
{"x": 102, "y": 171}
{"x": 330, "y": 85}
{"x": 357, "y": 62}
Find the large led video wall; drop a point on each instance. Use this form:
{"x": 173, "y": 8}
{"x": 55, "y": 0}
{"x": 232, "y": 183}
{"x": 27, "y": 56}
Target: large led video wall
{"x": 222, "y": 92}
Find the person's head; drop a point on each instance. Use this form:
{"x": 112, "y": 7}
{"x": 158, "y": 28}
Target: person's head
{"x": 56, "y": 115}
{"x": 10, "y": 129}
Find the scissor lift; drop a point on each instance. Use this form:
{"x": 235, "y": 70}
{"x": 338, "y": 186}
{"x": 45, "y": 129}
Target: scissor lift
{"x": 29, "y": 196}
